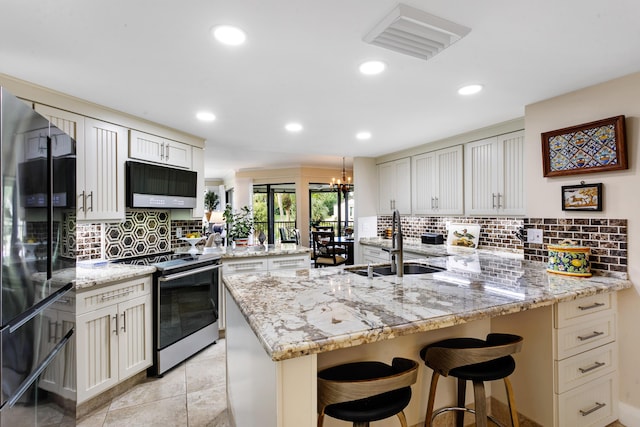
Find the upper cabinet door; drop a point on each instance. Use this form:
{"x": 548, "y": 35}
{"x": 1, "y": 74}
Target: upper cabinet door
{"x": 437, "y": 182}
{"x": 494, "y": 175}
{"x": 156, "y": 149}
{"x": 104, "y": 157}
{"x": 481, "y": 183}
{"x": 511, "y": 174}
{"x": 197, "y": 166}
{"x": 449, "y": 184}
{"x": 394, "y": 187}
{"x": 424, "y": 182}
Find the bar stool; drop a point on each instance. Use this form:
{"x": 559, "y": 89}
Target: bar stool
{"x": 476, "y": 360}
{"x": 362, "y": 392}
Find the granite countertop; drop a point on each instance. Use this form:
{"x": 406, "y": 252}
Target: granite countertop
{"x": 260, "y": 251}
{"x": 299, "y": 312}
{"x": 87, "y": 277}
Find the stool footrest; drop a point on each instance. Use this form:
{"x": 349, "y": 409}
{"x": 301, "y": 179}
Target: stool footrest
{"x": 457, "y": 408}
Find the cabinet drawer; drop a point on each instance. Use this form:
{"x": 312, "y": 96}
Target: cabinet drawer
{"x": 593, "y": 404}
{"x": 584, "y": 367}
{"x": 288, "y": 262}
{"x": 246, "y": 266}
{"x": 104, "y": 296}
{"x": 572, "y": 312}
{"x": 593, "y": 332}
{"x": 371, "y": 254}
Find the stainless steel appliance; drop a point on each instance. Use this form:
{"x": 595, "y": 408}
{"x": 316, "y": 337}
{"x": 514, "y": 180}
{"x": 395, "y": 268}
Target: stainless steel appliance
{"x": 37, "y": 309}
{"x": 155, "y": 186}
{"x": 185, "y": 308}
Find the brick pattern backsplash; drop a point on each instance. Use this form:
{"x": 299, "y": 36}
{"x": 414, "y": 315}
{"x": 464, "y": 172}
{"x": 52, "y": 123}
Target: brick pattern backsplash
{"x": 495, "y": 232}
{"x": 187, "y": 226}
{"x": 607, "y": 239}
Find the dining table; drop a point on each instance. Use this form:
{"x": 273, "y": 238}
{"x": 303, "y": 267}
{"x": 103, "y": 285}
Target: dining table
{"x": 348, "y": 243}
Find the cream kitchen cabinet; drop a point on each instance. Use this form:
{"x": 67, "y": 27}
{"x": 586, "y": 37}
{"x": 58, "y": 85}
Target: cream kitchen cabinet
{"x": 114, "y": 333}
{"x": 437, "y": 183}
{"x": 394, "y": 186}
{"x": 585, "y": 361}
{"x": 374, "y": 255}
{"x": 258, "y": 264}
{"x": 152, "y": 148}
{"x": 101, "y": 151}
{"x": 567, "y": 371}
{"x": 59, "y": 377}
{"x": 494, "y": 175}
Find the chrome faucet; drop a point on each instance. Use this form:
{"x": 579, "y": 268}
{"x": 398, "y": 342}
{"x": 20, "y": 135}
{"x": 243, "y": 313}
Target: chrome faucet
{"x": 397, "y": 264}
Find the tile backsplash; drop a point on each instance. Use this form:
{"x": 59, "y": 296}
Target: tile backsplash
{"x": 495, "y": 232}
{"x": 141, "y": 233}
{"x": 607, "y": 238}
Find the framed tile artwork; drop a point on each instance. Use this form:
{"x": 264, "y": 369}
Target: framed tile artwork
{"x": 583, "y": 197}
{"x": 591, "y": 147}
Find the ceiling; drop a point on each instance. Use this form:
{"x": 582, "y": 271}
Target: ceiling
{"x": 157, "y": 60}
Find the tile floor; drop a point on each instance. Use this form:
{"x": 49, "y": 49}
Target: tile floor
{"x": 190, "y": 395}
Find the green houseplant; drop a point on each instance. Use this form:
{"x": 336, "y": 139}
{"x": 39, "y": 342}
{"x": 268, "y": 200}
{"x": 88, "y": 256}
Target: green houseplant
{"x": 239, "y": 224}
{"x": 211, "y": 201}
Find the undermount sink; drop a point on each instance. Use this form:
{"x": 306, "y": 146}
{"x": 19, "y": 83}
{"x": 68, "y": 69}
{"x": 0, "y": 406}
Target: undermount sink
{"x": 385, "y": 270}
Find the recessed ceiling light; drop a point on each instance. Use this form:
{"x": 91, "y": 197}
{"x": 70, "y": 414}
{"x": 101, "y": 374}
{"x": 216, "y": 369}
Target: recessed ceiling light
{"x": 205, "y": 116}
{"x": 371, "y": 68}
{"x": 363, "y": 135}
{"x": 470, "y": 89}
{"x": 229, "y": 35}
{"x": 293, "y": 127}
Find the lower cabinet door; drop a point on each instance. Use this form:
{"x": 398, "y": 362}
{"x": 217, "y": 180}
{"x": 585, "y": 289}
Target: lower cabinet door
{"x": 134, "y": 336}
{"x": 97, "y": 347}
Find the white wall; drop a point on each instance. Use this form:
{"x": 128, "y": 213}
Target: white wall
{"x": 617, "y": 97}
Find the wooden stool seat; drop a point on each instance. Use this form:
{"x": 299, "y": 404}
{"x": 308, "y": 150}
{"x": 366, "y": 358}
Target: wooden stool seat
{"x": 476, "y": 360}
{"x": 362, "y": 392}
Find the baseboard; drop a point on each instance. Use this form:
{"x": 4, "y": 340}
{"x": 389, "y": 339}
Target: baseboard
{"x": 628, "y": 415}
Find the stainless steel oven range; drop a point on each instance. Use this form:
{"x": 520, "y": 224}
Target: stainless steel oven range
{"x": 185, "y": 306}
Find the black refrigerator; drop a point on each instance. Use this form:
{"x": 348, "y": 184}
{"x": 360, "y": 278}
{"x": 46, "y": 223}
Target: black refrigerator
{"x": 37, "y": 302}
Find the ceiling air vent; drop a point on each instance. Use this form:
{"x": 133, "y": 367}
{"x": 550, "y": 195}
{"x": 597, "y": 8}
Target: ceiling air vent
{"x": 415, "y": 32}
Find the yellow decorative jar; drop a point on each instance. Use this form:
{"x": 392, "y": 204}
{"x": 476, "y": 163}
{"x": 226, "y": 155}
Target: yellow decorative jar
{"x": 569, "y": 259}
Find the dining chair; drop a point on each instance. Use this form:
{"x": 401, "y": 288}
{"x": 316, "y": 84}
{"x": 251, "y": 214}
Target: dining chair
{"x": 286, "y": 237}
{"x": 325, "y": 250}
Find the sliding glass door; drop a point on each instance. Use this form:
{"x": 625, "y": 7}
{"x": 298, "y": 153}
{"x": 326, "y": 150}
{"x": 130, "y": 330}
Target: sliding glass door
{"x": 274, "y": 208}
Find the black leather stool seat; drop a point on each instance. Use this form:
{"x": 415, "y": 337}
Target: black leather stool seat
{"x": 486, "y": 371}
{"x": 362, "y": 392}
{"x": 372, "y": 408}
{"x": 476, "y": 360}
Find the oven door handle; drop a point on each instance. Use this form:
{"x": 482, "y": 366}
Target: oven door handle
{"x": 188, "y": 273}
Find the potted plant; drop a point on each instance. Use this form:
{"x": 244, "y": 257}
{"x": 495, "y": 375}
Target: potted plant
{"x": 239, "y": 224}
{"x": 210, "y": 202}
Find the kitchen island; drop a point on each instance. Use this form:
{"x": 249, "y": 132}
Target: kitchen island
{"x": 284, "y": 326}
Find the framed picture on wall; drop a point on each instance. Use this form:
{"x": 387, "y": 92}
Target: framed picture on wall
{"x": 583, "y": 197}
{"x": 591, "y": 147}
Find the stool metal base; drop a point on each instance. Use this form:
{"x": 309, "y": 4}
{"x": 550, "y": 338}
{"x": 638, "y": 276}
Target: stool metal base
{"x": 456, "y": 408}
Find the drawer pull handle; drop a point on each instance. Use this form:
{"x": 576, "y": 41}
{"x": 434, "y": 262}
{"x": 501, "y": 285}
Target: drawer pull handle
{"x": 596, "y": 365}
{"x": 588, "y": 337}
{"x": 592, "y": 410}
{"x": 589, "y": 307}
{"x": 114, "y": 296}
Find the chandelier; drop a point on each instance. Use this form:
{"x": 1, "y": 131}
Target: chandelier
{"x": 344, "y": 185}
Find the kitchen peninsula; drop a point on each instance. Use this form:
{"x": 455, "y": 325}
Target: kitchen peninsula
{"x": 284, "y": 326}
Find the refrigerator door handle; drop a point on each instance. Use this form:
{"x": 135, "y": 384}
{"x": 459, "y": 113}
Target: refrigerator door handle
{"x": 36, "y": 373}
{"x": 38, "y": 308}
